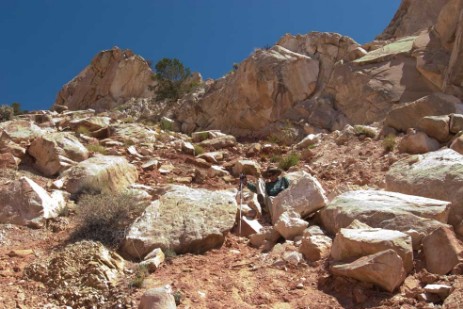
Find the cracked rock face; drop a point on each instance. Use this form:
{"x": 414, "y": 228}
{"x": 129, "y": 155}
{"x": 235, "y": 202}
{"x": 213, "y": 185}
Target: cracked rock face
{"x": 113, "y": 77}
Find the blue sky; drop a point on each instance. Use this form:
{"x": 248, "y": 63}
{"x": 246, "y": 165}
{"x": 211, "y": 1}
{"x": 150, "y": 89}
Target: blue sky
{"x": 45, "y": 43}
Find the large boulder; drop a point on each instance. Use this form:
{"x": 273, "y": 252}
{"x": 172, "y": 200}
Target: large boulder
{"x": 387, "y": 210}
{"x": 264, "y": 87}
{"x": 113, "y": 77}
{"x": 21, "y": 130}
{"x": 315, "y": 245}
{"x": 183, "y": 220}
{"x": 355, "y": 243}
{"x": 442, "y": 251}
{"x": 417, "y": 142}
{"x": 24, "y": 202}
{"x": 384, "y": 269}
{"x": 304, "y": 196}
{"x": 157, "y": 298}
{"x": 437, "y": 127}
{"x": 408, "y": 115}
{"x": 100, "y": 174}
{"x": 437, "y": 175}
{"x": 56, "y": 151}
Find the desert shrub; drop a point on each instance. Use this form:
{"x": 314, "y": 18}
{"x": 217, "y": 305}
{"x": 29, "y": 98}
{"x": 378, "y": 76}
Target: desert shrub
{"x": 364, "y": 130}
{"x": 198, "y": 149}
{"x": 285, "y": 136}
{"x": 81, "y": 130}
{"x": 274, "y": 158}
{"x": 6, "y": 113}
{"x": 105, "y": 217}
{"x": 289, "y": 160}
{"x": 97, "y": 148}
{"x": 389, "y": 143}
{"x": 140, "y": 274}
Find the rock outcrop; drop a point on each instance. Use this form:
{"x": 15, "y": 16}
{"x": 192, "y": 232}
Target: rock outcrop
{"x": 435, "y": 175}
{"x": 183, "y": 220}
{"x": 24, "y": 202}
{"x": 387, "y": 210}
{"x": 113, "y": 77}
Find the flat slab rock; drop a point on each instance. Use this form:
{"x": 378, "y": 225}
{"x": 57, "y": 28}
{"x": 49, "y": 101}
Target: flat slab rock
{"x": 183, "y": 220}
{"x": 437, "y": 175}
{"x": 388, "y": 210}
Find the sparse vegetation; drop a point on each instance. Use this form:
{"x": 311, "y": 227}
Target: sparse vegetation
{"x": 289, "y": 160}
{"x": 198, "y": 149}
{"x": 389, "y": 143}
{"x": 105, "y": 217}
{"x": 364, "y": 130}
{"x": 6, "y": 113}
{"x": 287, "y": 135}
{"x": 81, "y": 130}
{"x": 97, "y": 148}
{"x": 140, "y": 275}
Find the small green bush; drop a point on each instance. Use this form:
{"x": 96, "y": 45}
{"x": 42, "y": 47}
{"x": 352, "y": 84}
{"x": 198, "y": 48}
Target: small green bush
{"x": 286, "y": 162}
{"x": 389, "y": 142}
{"x": 6, "y": 113}
{"x": 105, "y": 217}
{"x": 172, "y": 79}
{"x": 97, "y": 148}
{"x": 364, "y": 130}
{"x": 81, "y": 130}
{"x": 198, "y": 150}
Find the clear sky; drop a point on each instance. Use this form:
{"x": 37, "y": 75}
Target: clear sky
{"x": 45, "y": 43}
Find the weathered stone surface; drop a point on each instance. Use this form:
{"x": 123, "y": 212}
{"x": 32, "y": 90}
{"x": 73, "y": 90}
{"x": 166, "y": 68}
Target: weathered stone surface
{"x": 100, "y": 174}
{"x": 153, "y": 260}
{"x": 408, "y": 115}
{"x": 355, "y": 243}
{"x": 304, "y": 196}
{"x": 113, "y": 77}
{"x": 21, "y": 130}
{"x": 387, "y": 210}
{"x": 24, "y": 202}
{"x": 134, "y": 133}
{"x": 435, "y": 175}
{"x": 402, "y": 46}
{"x": 188, "y": 148}
{"x": 417, "y": 142}
{"x": 309, "y": 140}
{"x": 157, "y": 298}
{"x": 456, "y": 123}
{"x": 457, "y": 144}
{"x": 315, "y": 244}
{"x": 82, "y": 273}
{"x": 443, "y": 290}
{"x": 91, "y": 124}
{"x": 290, "y": 225}
{"x": 442, "y": 251}
{"x": 267, "y": 233}
{"x": 384, "y": 269}
{"x": 248, "y": 167}
{"x": 183, "y": 220}
{"x": 264, "y": 87}
{"x": 219, "y": 142}
{"x": 437, "y": 127}
{"x": 7, "y": 160}
{"x": 413, "y": 16}
{"x": 53, "y": 151}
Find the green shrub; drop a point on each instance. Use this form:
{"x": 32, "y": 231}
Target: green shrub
{"x": 6, "y": 113}
{"x": 97, "y": 148}
{"x": 289, "y": 160}
{"x": 105, "y": 217}
{"x": 389, "y": 142}
{"x": 364, "y": 130}
{"x": 198, "y": 150}
{"x": 172, "y": 79}
{"x": 81, "y": 130}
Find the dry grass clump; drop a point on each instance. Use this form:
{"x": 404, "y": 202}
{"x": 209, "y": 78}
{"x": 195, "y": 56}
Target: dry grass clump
{"x": 106, "y": 217}
{"x": 97, "y": 148}
{"x": 289, "y": 160}
{"x": 389, "y": 143}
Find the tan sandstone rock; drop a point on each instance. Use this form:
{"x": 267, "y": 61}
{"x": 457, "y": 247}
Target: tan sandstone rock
{"x": 442, "y": 251}
{"x": 157, "y": 298}
{"x": 100, "y": 174}
{"x": 384, "y": 269}
{"x": 113, "y": 77}
{"x": 417, "y": 142}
